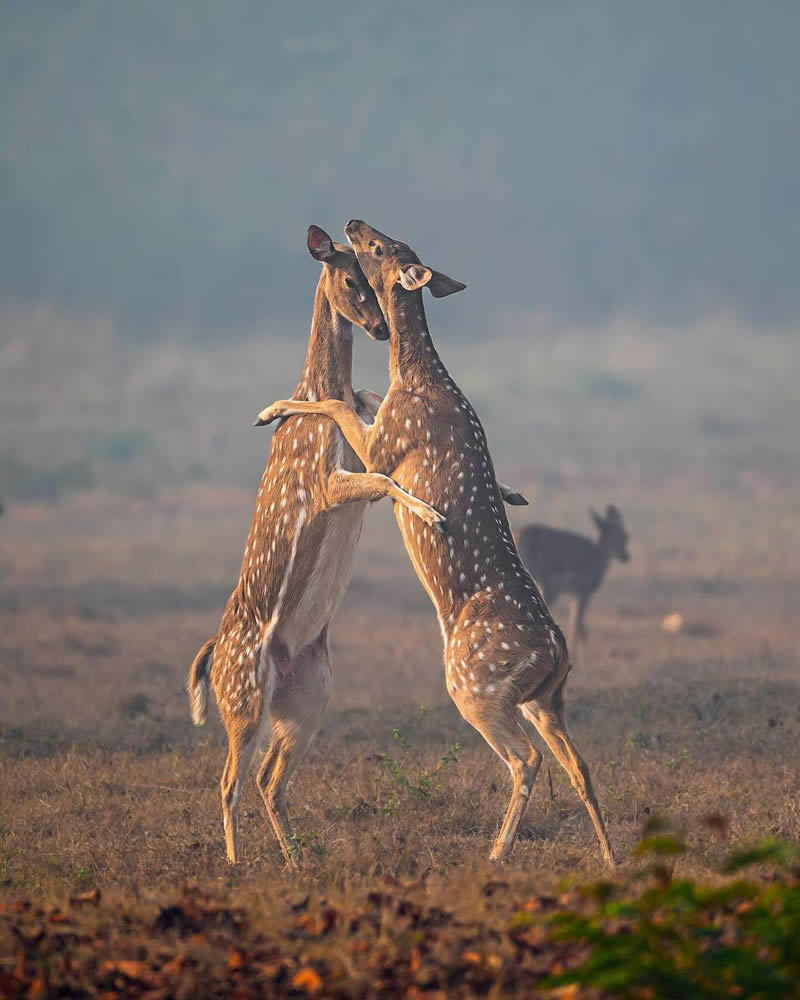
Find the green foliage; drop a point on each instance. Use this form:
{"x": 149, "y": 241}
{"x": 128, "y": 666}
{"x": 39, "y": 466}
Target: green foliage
{"x": 399, "y": 779}
{"x": 307, "y": 841}
{"x": 638, "y": 738}
{"x": 402, "y": 776}
{"x": 677, "y": 938}
{"x": 771, "y": 851}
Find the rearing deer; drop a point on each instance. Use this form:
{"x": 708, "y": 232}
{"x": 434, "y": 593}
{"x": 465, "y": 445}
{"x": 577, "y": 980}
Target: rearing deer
{"x": 565, "y": 563}
{"x": 503, "y": 651}
{"x": 269, "y": 663}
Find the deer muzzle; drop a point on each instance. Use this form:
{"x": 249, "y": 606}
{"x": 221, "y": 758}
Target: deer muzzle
{"x": 379, "y": 332}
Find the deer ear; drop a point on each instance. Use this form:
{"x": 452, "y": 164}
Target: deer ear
{"x": 596, "y": 518}
{"x": 415, "y": 276}
{"x": 440, "y": 285}
{"x": 320, "y": 245}
{"x": 612, "y": 514}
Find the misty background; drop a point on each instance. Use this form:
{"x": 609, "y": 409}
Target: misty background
{"x": 616, "y": 182}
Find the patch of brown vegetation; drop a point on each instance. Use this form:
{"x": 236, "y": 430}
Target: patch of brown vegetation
{"x": 390, "y": 939}
{"x": 104, "y": 779}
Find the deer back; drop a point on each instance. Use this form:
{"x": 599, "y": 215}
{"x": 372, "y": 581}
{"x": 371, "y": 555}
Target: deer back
{"x": 562, "y": 561}
{"x": 430, "y": 440}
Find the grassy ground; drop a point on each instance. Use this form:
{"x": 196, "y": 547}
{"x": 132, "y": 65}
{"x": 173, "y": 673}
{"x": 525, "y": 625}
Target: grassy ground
{"x": 105, "y": 597}
{"x": 104, "y": 779}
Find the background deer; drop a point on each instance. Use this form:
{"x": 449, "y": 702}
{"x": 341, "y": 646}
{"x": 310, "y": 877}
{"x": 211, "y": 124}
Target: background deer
{"x": 269, "y": 664}
{"x": 503, "y": 652}
{"x": 563, "y": 562}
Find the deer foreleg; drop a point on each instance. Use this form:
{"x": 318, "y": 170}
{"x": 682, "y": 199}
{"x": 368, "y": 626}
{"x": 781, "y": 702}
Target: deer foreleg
{"x": 350, "y": 487}
{"x": 356, "y": 432}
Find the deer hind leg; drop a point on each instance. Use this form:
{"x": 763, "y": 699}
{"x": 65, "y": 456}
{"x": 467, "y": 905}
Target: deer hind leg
{"x": 499, "y": 726}
{"x": 243, "y": 736}
{"x": 549, "y": 718}
{"x": 581, "y": 632}
{"x": 572, "y": 626}
{"x": 576, "y": 630}
{"x": 296, "y": 712}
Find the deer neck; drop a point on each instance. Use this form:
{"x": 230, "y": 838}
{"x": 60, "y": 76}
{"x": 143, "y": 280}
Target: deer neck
{"x": 328, "y": 371}
{"x": 412, "y": 356}
{"x": 604, "y": 557}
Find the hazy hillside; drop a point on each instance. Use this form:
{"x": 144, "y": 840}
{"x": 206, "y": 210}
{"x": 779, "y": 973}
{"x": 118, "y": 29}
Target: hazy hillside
{"x": 162, "y": 160}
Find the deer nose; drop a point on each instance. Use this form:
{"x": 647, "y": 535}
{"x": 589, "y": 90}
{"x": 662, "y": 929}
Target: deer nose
{"x": 352, "y": 226}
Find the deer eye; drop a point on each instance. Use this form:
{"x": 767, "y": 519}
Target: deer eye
{"x": 350, "y": 283}
{"x": 375, "y": 248}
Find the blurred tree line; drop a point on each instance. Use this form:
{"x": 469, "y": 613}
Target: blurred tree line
{"x": 161, "y": 159}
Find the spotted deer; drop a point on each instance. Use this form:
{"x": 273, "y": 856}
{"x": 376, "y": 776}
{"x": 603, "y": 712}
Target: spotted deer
{"x": 504, "y": 654}
{"x": 269, "y": 664}
{"x": 563, "y": 562}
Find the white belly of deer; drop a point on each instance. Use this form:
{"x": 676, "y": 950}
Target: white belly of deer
{"x": 408, "y": 525}
{"x": 328, "y": 580}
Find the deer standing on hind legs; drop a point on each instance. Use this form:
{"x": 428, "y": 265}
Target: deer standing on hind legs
{"x": 563, "y": 562}
{"x": 503, "y": 652}
{"x": 269, "y": 663}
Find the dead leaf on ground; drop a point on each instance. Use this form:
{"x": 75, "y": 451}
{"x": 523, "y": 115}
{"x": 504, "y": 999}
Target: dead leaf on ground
{"x": 307, "y": 979}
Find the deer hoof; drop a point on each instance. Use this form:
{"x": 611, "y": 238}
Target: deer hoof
{"x": 265, "y": 417}
{"x": 441, "y": 527}
{"x": 516, "y": 500}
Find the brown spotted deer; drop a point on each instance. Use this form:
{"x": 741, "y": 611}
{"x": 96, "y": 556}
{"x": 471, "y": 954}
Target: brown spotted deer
{"x": 565, "y": 563}
{"x": 269, "y": 664}
{"x": 503, "y": 652}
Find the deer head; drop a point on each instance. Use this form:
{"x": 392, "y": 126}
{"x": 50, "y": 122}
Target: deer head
{"x": 613, "y": 536}
{"x": 389, "y": 264}
{"x": 345, "y": 285}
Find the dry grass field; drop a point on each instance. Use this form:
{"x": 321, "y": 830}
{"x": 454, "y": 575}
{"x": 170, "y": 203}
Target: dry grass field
{"x": 108, "y": 586}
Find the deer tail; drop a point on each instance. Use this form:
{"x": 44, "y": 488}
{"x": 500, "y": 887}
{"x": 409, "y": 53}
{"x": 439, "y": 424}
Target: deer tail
{"x": 199, "y": 681}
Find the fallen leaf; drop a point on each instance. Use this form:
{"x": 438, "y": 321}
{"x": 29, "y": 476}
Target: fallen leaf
{"x": 307, "y": 979}
{"x": 135, "y": 972}
{"x": 19, "y": 907}
{"x": 88, "y": 896}
{"x": 38, "y": 989}
{"x": 10, "y": 986}
{"x": 174, "y": 965}
{"x": 236, "y": 959}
